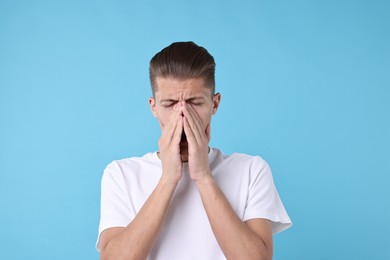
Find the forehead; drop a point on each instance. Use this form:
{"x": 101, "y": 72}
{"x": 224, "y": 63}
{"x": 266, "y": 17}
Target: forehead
{"x": 181, "y": 88}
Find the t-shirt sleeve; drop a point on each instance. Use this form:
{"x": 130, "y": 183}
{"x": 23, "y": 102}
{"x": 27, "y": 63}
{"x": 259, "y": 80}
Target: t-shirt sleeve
{"x": 114, "y": 208}
{"x": 263, "y": 199}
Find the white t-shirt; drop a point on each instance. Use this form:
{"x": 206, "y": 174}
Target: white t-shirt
{"x": 245, "y": 180}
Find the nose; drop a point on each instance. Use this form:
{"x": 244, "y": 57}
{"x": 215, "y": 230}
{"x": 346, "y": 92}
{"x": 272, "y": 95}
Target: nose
{"x": 180, "y": 105}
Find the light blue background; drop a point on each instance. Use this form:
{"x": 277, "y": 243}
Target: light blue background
{"x": 305, "y": 84}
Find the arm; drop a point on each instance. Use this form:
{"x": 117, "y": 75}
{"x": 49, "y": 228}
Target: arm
{"x": 136, "y": 240}
{"x": 237, "y": 239}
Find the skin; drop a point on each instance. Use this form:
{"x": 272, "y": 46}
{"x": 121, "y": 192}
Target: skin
{"x": 186, "y": 106}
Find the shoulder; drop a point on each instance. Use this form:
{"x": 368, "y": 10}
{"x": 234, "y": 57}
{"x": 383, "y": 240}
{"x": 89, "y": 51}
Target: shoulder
{"x": 242, "y": 159}
{"x": 131, "y": 164}
{"x": 239, "y": 165}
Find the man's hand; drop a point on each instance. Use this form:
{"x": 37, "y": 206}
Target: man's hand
{"x": 198, "y": 143}
{"x": 169, "y": 145}
{"x": 136, "y": 240}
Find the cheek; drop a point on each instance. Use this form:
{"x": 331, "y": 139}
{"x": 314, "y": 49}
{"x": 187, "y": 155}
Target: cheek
{"x": 205, "y": 117}
{"x": 163, "y": 121}
{"x": 163, "y": 117}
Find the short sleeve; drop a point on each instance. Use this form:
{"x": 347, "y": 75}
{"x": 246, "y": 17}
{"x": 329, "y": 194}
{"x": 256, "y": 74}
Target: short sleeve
{"x": 263, "y": 199}
{"x": 114, "y": 209}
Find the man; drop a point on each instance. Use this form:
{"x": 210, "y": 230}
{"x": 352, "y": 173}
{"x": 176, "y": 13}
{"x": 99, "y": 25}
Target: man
{"x": 188, "y": 201}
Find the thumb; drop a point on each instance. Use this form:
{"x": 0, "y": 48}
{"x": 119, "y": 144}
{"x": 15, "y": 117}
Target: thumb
{"x": 207, "y": 131}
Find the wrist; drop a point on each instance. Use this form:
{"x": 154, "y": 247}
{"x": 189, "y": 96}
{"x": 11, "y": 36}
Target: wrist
{"x": 168, "y": 181}
{"x": 206, "y": 179}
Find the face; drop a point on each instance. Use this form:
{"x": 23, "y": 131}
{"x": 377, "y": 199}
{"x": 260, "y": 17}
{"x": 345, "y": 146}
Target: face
{"x": 193, "y": 91}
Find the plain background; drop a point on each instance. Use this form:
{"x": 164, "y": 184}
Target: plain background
{"x": 305, "y": 84}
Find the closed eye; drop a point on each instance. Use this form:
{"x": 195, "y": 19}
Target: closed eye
{"x": 168, "y": 105}
{"x": 196, "y": 103}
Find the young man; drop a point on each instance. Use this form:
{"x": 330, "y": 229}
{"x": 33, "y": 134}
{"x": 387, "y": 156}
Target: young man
{"x": 188, "y": 201}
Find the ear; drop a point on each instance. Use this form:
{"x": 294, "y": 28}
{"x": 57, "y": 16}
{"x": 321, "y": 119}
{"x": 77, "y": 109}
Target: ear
{"x": 216, "y": 101}
{"x": 152, "y": 105}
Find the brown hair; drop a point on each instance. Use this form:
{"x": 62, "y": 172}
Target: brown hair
{"x": 183, "y": 60}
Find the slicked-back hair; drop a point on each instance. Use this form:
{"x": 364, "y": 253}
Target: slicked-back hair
{"x": 183, "y": 60}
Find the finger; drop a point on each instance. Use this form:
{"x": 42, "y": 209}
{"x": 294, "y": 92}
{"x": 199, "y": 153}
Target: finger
{"x": 193, "y": 122}
{"x": 178, "y": 131}
{"x": 188, "y": 131}
{"x": 208, "y": 132}
{"x": 170, "y": 127}
{"x": 199, "y": 131}
{"x": 195, "y": 115}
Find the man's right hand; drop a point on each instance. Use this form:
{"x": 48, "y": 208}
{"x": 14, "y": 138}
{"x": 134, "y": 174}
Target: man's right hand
{"x": 169, "y": 145}
{"x": 136, "y": 240}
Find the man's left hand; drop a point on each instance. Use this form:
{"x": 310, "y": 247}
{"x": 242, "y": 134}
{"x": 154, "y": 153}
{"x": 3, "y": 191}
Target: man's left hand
{"x": 198, "y": 143}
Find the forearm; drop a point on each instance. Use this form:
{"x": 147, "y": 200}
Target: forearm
{"x": 137, "y": 239}
{"x": 235, "y": 238}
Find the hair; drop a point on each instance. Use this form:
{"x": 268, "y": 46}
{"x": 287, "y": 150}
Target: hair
{"x": 183, "y": 60}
